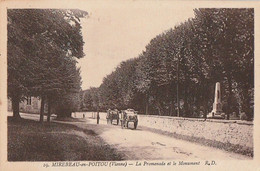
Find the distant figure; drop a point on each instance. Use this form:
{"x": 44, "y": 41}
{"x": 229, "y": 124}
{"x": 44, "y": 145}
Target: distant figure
{"x": 83, "y": 115}
{"x": 98, "y": 118}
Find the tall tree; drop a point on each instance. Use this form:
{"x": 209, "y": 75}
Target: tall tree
{"x": 227, "y": 37}
{"x": 214, "y": 46}
{"x": 41, "y": 44}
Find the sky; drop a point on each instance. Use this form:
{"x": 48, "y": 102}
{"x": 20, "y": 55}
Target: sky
{"x": 113, "y": 34}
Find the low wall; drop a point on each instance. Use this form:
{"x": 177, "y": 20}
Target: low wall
{"x": 93, "y": 115}
{"x": 232, "y": 132}
{"x": 225, "y": 131}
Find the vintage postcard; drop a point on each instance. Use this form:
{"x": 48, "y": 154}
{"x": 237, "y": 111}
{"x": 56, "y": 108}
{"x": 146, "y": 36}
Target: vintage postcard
{"x": 135, "y": 85}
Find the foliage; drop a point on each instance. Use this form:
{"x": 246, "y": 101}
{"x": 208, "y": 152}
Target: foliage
{"x": 217, "y": 45}
{"x": 43, "y": 45}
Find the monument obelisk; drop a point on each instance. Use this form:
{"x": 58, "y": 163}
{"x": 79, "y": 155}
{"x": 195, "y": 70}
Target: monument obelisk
{"x": 217, "y": 105}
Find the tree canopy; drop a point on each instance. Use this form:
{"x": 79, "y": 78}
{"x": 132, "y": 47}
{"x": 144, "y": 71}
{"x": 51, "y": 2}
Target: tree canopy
{"x": 217, "y": 45}
{"x": 43, "y": 45}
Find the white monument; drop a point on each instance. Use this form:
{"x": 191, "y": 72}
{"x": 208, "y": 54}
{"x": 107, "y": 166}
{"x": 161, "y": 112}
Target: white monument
{"x": 217, "y": 105}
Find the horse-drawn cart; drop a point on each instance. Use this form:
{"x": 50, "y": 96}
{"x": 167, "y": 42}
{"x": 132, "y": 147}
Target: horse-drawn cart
{"x": 112, "y": 115}
{"x": 127, "y": 116}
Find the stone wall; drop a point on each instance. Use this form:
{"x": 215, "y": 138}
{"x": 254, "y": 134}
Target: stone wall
{"x": 233, "y": 132}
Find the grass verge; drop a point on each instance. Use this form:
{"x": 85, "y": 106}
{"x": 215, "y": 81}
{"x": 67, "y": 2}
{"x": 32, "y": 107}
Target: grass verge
{"x": 32, "y": 141}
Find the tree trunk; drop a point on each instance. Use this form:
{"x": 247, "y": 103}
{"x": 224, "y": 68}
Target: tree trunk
{"x": 147, "y": 105}
{"x": 15, "y": 106}
{"x": 229, "y": 97}
{"x": 185, "y": 105}
{"x": 49, "y": 111}
{"x": 98, "y": 115}
{"x": 178, "y": 98}
{"x": 159, "y": 108}
{"x": 205, "y": 106}
{"x": 246, "y": 103}
{"x": 171, "y": 108}
{"x": 42, "y": 109}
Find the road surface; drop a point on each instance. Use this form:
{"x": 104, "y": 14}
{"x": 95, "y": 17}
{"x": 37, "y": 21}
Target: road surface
{"x": 141, "y": 144}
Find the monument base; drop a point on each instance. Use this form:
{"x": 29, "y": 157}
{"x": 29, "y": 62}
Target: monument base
{"x": 214, "y": 115}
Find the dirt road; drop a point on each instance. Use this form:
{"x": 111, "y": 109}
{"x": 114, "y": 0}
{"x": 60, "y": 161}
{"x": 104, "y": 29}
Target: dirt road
{"x": 141, "y": 144}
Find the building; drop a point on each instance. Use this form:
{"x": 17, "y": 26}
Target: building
{"x": 29, "y": 105}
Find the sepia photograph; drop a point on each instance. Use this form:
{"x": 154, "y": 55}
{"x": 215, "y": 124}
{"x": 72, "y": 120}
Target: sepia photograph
{"x": 130, "y": 84}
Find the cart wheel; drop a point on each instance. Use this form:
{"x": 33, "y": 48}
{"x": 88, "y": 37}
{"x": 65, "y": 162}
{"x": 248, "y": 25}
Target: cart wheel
{"x": 135, "y": 125}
